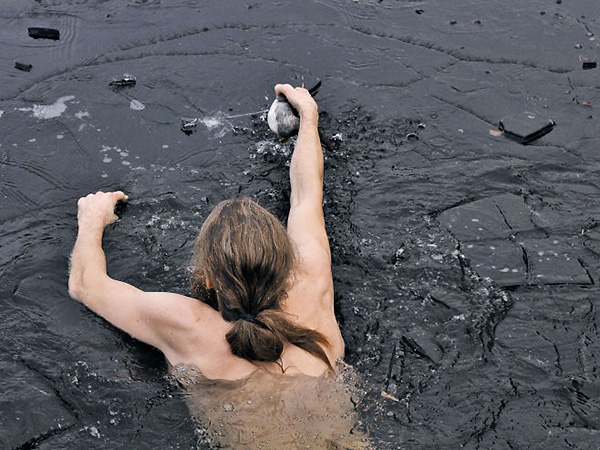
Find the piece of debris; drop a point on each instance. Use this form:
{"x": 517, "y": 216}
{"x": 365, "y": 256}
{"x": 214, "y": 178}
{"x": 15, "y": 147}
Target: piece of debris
{"x": 22, "y": 66}
{"x": 526, "y": 127}
{"x": 44, "y": 33}
{"x": 391, "y": 397}
{"x": 125, "y": 81}
{"x": 495, "y": 133}
{"x": 589, "y": 65}
{"x": 188, "y": 125}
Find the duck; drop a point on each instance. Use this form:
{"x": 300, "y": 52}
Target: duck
{"x": 283, "y": 119}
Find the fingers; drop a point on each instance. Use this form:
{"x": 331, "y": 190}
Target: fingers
{"x": 283, "y": 88}
{"x": 114, "y": 196}
{"x": 287, "y": 89}
{"x": 119, "y": 195}
{"x": 300, "y": 99}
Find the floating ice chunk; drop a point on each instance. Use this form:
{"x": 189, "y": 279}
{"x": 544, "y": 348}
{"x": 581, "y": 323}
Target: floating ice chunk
{"x": 125, "y": 81}
{"x": 44, "y": 33}
{"x": 525, "y": 127}
{"x": 136, "y": 104}
{"x": 188, "y": 125}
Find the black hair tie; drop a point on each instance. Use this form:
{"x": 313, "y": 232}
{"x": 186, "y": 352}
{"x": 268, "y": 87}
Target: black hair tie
{"x": 248, "y": 318}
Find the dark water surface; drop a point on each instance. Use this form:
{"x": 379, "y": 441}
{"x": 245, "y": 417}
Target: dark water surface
{"x": 465, "y": 264}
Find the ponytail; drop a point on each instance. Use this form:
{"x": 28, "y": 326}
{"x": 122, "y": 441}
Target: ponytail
{"x": 262, "y": 338}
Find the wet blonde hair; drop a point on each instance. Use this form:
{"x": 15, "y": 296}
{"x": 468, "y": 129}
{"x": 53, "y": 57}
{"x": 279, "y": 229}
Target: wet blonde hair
{"x": 246, "y": 253}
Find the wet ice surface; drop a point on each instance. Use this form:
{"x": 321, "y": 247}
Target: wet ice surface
{"x": 467, "y": 351}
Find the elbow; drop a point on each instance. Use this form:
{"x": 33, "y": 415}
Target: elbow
{"x": 75, "y": 288}
{"x": 77, "y": 285}
{"x": 82, "y": 286}
{"x": 313, "y": 197}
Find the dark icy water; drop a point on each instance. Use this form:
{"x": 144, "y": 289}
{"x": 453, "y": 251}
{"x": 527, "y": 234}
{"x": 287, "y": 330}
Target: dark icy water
{"x": 465, "y": 264}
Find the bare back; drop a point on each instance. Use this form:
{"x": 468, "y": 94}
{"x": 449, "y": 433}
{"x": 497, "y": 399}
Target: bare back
{"x": 274, "y": 411}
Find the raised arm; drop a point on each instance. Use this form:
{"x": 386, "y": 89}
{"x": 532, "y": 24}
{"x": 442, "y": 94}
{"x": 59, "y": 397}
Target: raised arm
{"x": 163, "y": 320}
{"x": 306, "y": 169}
{"x": 311, "y": 299}
{"x": 306, "y": 224}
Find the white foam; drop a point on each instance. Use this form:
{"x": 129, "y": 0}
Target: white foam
{"x": 50, "y": 111}
{"x": 136, "y": 104}
{"x": 218, "y": 124}
{"x": 212, "y": 122}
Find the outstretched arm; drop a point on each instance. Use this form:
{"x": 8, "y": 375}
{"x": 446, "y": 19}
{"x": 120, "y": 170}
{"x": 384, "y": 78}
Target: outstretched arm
{"x": 306, "y": 224}
{"x": 158, "y": 318}
{"x": 306, "y": 169}
{"x": 311, "y": 299}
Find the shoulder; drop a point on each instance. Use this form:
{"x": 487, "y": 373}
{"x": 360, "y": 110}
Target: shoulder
{"x": 310, "y": 305}
{"x": 188, "y": 329}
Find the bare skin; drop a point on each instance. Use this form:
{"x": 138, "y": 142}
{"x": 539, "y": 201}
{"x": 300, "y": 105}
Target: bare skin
{"x": 188, "y": 331}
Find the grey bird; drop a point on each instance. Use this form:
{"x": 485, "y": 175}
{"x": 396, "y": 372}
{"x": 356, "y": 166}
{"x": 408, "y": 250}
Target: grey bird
{"x": 283, "y": 119}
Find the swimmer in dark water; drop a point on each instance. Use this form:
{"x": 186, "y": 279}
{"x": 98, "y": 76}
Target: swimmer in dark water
{"x": 264, "y": 334}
